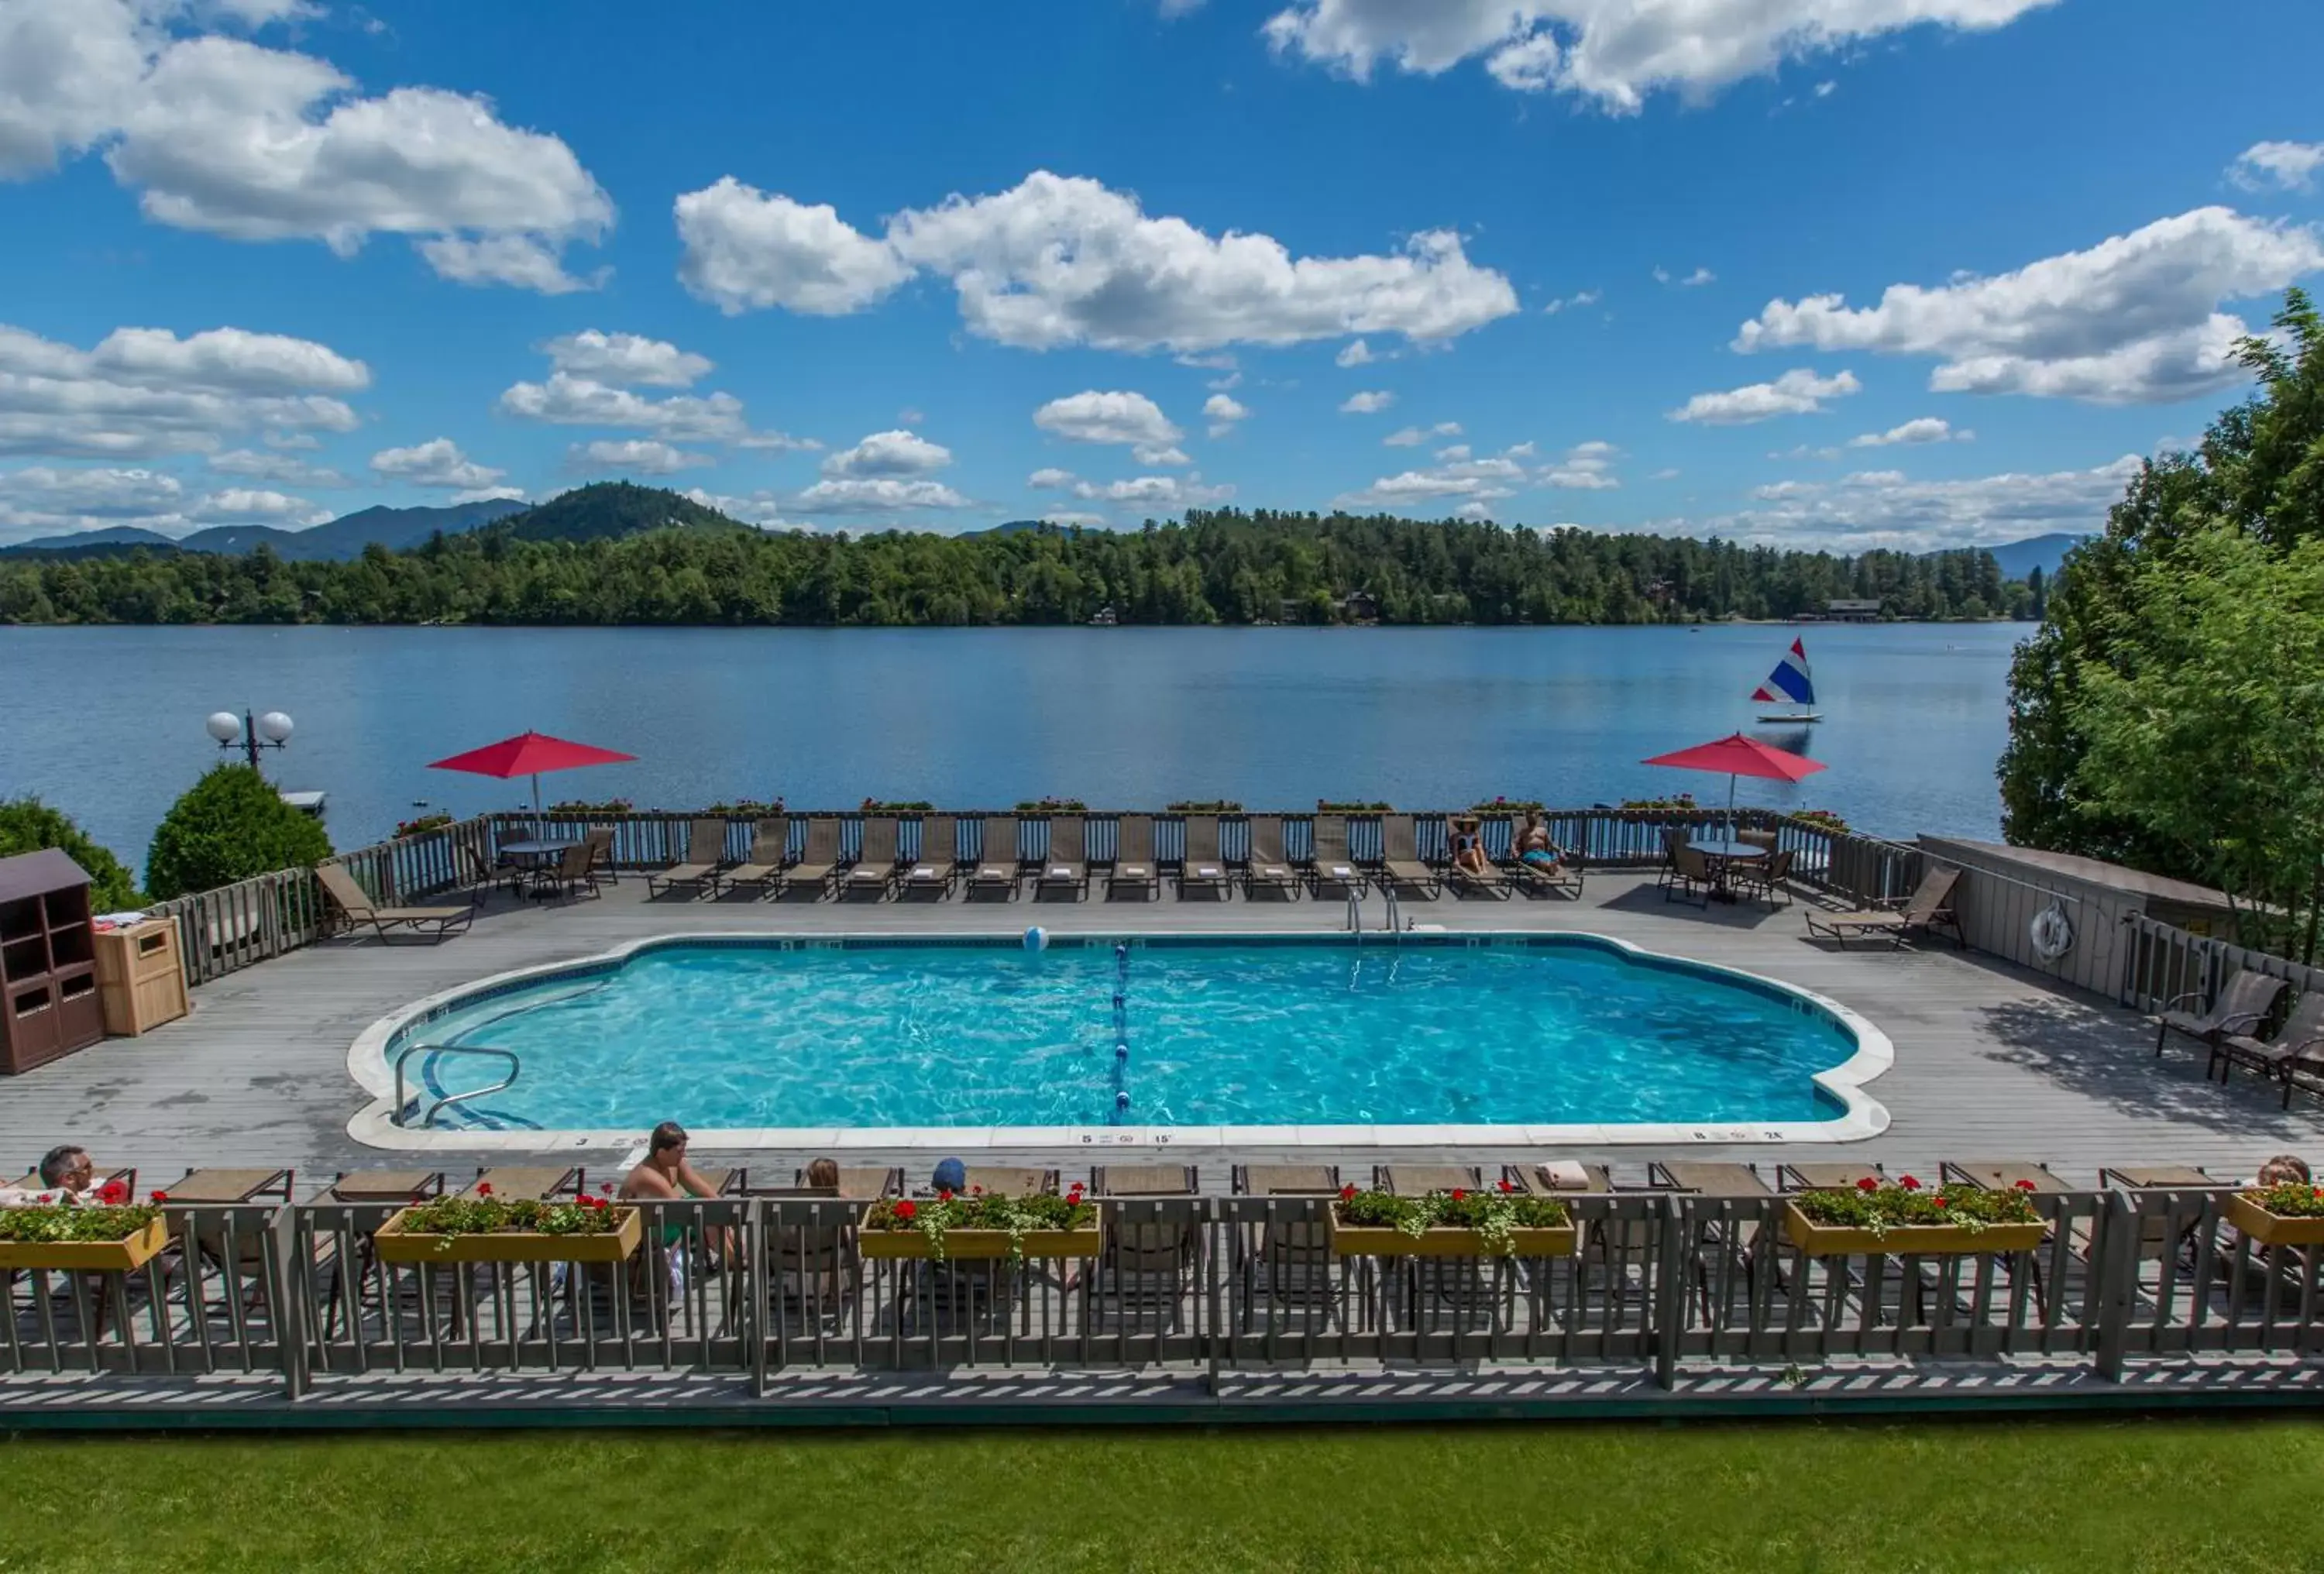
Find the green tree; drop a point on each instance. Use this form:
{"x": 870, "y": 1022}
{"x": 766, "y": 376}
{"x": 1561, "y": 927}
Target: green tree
{"x": 228, "y": 826}
{"x": 2213, "y": 745}
{"x": 28, "y": 825}
{"x": 2259, "y": 473}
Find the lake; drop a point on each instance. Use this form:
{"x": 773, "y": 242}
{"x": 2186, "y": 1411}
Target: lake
{"x": 106, "y": 723}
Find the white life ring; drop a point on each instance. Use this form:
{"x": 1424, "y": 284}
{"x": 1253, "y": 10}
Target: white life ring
{"x": 2052, "y": 932}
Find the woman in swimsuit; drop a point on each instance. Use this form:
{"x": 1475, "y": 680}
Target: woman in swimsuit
{"x": 1469, "y": 848}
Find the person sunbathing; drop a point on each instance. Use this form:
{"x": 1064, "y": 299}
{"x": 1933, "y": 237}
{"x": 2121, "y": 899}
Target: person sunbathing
{"x": 1534, "y": 848}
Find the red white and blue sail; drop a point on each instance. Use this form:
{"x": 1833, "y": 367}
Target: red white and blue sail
{"x": 1790, "y": 682}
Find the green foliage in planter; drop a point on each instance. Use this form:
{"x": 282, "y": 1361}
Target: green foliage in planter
{"x": 1507, "y": 806}
{"x": 29, "y": 825}
{"x": 228, "y": 826}
{"x": 1053, "y": 807}
{"x": 489, "y": 1215}
{"x": 56, "y": 1223}
{"x": 1205, "y": 806}
{"x": 1682, "y": 801}
{"x": 1903, "y": 1201}
{"x": 1491, "y": 1212}
{"x": 1825, "y": 819}
{"x": 422, "y": 825}
{"x": 2289, "y": 1200}
{"x": 746, "y": 809}
{"x": 933, "y": 1216}
{"x": 897, "y": 806}
{"x": 1353, "y": 807}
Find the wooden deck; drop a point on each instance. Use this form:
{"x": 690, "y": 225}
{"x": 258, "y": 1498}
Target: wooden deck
{"x": 1991, "y": 1062}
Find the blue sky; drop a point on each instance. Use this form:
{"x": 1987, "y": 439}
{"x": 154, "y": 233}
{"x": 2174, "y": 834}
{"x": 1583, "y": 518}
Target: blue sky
{"x": 1840, "y": 273}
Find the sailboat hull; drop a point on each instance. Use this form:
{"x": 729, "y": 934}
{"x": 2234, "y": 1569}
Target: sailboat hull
{"x": 1803, "y": 718}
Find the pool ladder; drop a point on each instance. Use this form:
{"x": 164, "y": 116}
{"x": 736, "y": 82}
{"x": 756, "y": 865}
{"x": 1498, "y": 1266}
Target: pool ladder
{"x": 1391, "y": 922}
{"x": 515, "y": 1065}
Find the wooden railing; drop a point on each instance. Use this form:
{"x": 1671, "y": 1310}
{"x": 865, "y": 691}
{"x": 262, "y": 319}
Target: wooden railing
{"x": 1663, "y": 1283}
{"x": 2166, "y": 965}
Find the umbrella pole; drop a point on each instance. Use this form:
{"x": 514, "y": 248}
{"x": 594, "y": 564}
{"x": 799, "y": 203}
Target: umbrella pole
{"x": 536, "y": 805}
{"x": 1731, "y": 809}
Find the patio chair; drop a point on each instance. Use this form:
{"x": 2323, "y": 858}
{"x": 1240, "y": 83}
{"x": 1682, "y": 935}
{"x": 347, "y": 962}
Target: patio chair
{"x": 600, "y": 841}
{"x": 1000, "y": 868}
{"x": 358, "y": 908}
{"x": 2244, "y": 1002}
{"x": 938, "y": 863}
{"x": 1766, "y": 876}
{"x": 1399, "y": 861}
{"x": 509, "y": 877}
{"x": 876, "y": 859}
{"x": 769, "y": 851}
{"x": 1149, "y": 1252}
{"x": 819, "y": 861}
{"x": 1201, "y": 866}
{"x": 706, "y": 856}
{"x": 1133, "y": 857}
{"x": 1265, "y": 866}
{"x": 1329, "y": 862}
{"x": 1929, "y": 908}
{"x": 1689, "y": 871}
{"x": 1066, "y": 866}
{"x": 1288, "y": 1261}
{"x": 574, "y": 872}
{"x": 1499, "y": 881}
{"x": 2301, "y": 1037}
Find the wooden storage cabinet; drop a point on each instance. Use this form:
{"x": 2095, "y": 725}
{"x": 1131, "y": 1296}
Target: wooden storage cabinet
{"x": 49, "y": 1004}
{"x": 139, "y": 977}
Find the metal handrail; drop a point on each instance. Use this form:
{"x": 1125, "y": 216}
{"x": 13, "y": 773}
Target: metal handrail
{"x": 1355, "y": 916}
{"x": 515, "y": 1065}
{"x": 1395, "y": 908}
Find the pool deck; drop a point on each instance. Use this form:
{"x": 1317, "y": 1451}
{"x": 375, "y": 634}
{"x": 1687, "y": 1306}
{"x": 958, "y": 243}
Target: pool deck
{"x": 1991, "y": 1061}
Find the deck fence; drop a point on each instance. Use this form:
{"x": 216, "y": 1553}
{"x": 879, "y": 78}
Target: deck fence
{"x": 1207, "y": 1285}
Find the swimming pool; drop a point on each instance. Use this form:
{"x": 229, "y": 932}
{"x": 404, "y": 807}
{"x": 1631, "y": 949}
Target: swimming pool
{"x": 1093, "y": 1041}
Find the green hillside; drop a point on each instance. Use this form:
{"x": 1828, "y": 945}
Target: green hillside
{"x": 605, "y": 510}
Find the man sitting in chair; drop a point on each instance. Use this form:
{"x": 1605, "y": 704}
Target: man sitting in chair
{"x": 663, "y": 1176}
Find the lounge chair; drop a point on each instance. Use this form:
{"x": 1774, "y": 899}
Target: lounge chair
{"x": 1520, "y": 875}
{"x": 1329, "y": 862}
{"x": 2302, "y": 1037}
{"x": 1266, "y": 866}
{"x": 359, "y": 909}
{"x": 1200, "y": 864}
{"x": 1688, "y": 869}
{"x": 1150, "y": 1246}
{"x": 938, "y": 863}
{"x": 875, "y": 866}
{"x": 1930, "y": 907}
{"x": 818, "y": 861}
{"x": 1133, "y": 857}
{"x": 1066, "y": 866}
{"x": 2244, "y": 1001}
{"x": 1496, "y": 881}
{"x": 1399, "y": 860}
{"x": 770, "y": 842}
{"x": 1000, "y": 867}
{"x": 705, "y": 857}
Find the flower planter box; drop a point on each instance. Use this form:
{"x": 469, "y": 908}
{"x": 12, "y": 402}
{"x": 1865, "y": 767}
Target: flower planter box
{"x": 1909, "y": 1241}
{"x": 984, "y": 1245}
{"x": 2272, "y": 1229}
{"x": 92, "y": 1257}
{"x": 1381, "y": 1240}
{"x": 395, "y": 1244}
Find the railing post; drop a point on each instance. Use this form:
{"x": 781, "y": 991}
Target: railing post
{"x": 1670, "y": 1290}
{"x": 2117, "y": 1244}
{"x": 282, "y": 1287}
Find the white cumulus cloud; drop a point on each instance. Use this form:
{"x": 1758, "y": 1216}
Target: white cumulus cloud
{"x": 40, "y": 500}
{"x": 1795, "y": 393}
{"x": 875, "y": 495}
{"x": 1414, "y": 437}
{"x": 1223, "y": 413}
{"x": 1049, "y": 478}
{"x": 640, "y": 455}
{"x": 1152, "y": 492}
{"x": 1458, "y": 474}
{"x": 1586, "y": 467}
{"x": 1928, "y": 429}
{"x": 1057, "y": 261}
{"x": 436, "y": 463}
{"x": 626, "y": 359}
{"x": 1120, "y": 417}
{"x": 1611, "y": 52}
{"x": 887, "y": 455}
{"x": 2283, "y": 166}
{"x": 1369, "y": 401}
{"x": 1885, "y": 509}
{"x": 2134, "y": 319}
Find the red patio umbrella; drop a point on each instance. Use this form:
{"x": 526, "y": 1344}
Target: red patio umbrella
{"x": 529, "y": 754}
{"x": 1739, "y": 756}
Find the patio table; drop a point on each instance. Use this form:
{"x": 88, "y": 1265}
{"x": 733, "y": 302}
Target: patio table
{"x": 1723, "y": 855}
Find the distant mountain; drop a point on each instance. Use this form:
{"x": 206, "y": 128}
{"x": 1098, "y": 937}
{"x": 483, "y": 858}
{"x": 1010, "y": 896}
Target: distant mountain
{"x": 120, "y": 538}
{"x": 342, "y": 539}
{"x": 1013, "y": 528}
{"x": 605, "y": 509}
{"x": 2021, "y": 558}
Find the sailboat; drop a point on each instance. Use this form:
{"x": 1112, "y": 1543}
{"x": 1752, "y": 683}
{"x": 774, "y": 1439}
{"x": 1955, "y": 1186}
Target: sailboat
{"x": 1790, "y": 682}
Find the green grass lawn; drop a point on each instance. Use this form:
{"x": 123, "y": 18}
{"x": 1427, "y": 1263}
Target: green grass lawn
{"x": 2210, "y": 1495}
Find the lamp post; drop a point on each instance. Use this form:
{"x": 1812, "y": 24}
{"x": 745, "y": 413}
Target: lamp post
{"x": 250, "y": 734}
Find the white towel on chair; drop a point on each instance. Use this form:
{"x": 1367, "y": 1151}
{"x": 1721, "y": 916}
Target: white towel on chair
{"x": 1566, "y": 1175}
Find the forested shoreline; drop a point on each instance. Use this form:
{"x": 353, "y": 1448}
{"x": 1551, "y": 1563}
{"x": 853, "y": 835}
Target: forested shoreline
{"x": 1213, "y": 567}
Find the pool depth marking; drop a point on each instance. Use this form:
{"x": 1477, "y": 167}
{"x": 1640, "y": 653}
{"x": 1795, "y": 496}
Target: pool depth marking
{"x": 369, "y": 1064}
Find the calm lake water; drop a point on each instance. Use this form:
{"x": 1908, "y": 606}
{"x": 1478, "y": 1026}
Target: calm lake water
{"x": 106, "y": 723}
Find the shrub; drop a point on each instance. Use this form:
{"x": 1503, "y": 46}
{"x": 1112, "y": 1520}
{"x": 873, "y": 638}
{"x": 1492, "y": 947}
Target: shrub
{"x": 28, "y": 825}
{"x": 228, "y": 826}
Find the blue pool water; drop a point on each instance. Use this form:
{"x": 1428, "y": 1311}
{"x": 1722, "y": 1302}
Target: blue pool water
{"x": 1316, "y": 1032}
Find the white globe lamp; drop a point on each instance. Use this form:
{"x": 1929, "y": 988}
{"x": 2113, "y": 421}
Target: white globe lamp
{"x": 274, "y": 726}
{"x": 224, "y": 726}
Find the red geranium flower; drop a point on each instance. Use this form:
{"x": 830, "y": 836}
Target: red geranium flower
{"x": 906, "y": 1209}
{"x": 1940, "y": 1201}
{"x": 484, "y": 1188}
{"x": 944, "y": 1194}
{"x": 113, "y": 1193}
{"x": 606, "y": 1187}
{"x": 1504, "y": 1185}
{"x": 1909, "y": 1184}
{"x": 979, "y": 1191}
{"x": 1867, "y": 1183}
{"x": 2022, "y": 1185}
{"x": 1458, "y": 1193}
{"x": 161, "y": 1196}
{"x": 1348, "y": 1192}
